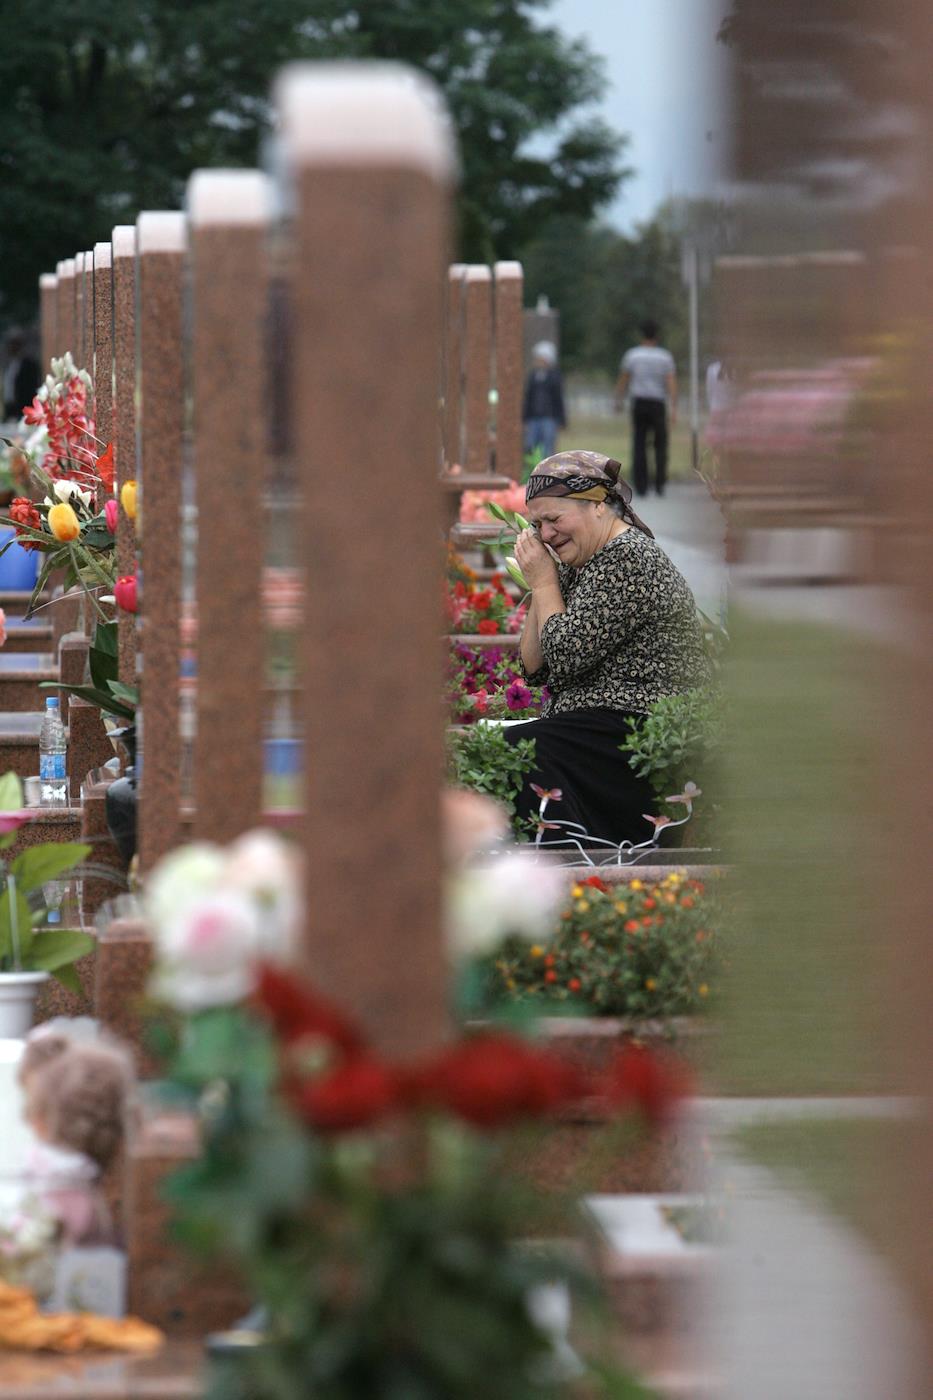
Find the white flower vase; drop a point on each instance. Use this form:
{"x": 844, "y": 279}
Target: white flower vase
{"x": 18, "y": 992}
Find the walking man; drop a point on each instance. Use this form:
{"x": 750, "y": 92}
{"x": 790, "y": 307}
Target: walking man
{"x": 649, "y": 377}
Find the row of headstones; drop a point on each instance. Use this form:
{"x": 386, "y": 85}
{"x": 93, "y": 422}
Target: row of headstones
{"x": 483, "y": 369}
{"x": 172, "y": 316}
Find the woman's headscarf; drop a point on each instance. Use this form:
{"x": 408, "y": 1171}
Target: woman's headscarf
{"x": 589, "y": 476}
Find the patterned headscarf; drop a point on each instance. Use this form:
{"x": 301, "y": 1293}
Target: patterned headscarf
{"x": 589, "y": 476}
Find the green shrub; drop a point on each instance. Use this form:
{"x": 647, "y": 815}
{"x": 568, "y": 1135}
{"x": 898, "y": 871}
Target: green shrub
{"x": 680, "y": 740}
{"x": 481, "y": 758}
{"x": 636, "y": 949}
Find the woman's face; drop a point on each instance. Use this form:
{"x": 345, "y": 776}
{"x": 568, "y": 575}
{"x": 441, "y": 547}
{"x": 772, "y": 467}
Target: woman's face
{"x": 573, "y": 529}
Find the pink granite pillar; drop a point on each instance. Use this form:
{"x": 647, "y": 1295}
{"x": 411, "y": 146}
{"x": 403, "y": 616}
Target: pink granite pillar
{"x": 123, "y": 245}
{"x": 103, "y": 341}
{"x": 66, "y": 306}
{"x": 453, "y": 367}
{"x": 367, "y": 150}
{"x": 161, "y": 245}
{"x": 478, "y": 366}
{"x": 48, "y": 316}
{"x": 508, "y": 286}
{"x": 77, "y": 346}
{"x": 228, "y": 214}
{"x": 87, "y": 334}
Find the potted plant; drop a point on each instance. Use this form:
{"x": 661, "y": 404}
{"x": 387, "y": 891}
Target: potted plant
{"x": 29, "y": 953}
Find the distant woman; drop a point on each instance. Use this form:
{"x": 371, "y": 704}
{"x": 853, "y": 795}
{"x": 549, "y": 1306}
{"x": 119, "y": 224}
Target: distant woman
{"x": 611, "y": 628}
{"x": 543, "y": 409}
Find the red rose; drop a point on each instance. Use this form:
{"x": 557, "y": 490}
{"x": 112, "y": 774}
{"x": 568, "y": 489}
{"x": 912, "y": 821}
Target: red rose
{"x": 488, "y": 627}
{"x": 493, "y": 1079}
{"x": 296, "y": 1012}
{"x": 354, "y": 1094}
{"x": 644, "y": 1079}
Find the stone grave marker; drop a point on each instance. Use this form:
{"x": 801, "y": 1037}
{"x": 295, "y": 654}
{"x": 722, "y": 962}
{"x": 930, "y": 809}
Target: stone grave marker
{"x": 477, "y": 354}
{"x": 367, "y": 341}
{"x": 123, "y": 247}
{"x": 48, "y": 318}
{"x": 508, "y": 290}
{"x": 161, "y": 244}
{"x": 228, "y": 212}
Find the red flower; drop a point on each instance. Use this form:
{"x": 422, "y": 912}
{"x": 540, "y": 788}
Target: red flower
{"x": 105, "y": 466}
{"x": 35, "y": 412}
{"x": 488, "y": 627}
{"x": 574, "y": 984}
{"x": 23, "y": 512}
{"x": 296, "y": 1011}
{"x": 649, "y": 903}
{"x": 492, "y": 1079}
{"x": 550, "y": 975}
{"x": 651, "y": 1082}
{"x": 630, "y": 926}
{"x": 354, "y": 1094}
{"x": 124, "y": 590}
{"x": 595, "y": 883}
{"x": 482, "y": 600}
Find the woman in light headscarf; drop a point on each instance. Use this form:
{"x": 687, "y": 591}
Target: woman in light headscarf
{"x": 611, "y": 627}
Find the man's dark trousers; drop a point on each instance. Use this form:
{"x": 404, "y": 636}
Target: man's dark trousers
{"x": 649, "y": 416}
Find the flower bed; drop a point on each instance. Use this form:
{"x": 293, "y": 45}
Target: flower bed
{"x": 646, "y": 950}
{"x": 486, "y": 683}
{"x": 484, "y": 612}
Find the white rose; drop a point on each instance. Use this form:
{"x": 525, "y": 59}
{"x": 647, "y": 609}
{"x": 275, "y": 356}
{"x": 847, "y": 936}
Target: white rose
{"x": 181, "y": 878}
{"x": 208, "y": 950}
{"x": 265, "y": 867}
{"x": 509, "y": 896}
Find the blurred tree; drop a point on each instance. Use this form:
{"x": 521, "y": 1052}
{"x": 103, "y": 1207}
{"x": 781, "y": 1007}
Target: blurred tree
{"x": 605, "y": 283}
{"x": 107, "y": 105}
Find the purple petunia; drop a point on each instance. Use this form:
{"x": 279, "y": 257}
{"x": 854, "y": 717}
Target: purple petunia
{"x": 518, "y": 696}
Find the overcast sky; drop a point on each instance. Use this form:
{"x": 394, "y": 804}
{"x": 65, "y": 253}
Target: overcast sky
{"x": 665, "y": 78}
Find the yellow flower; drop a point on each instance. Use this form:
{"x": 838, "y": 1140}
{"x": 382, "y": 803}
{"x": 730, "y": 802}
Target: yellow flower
{"x": 582, "y": 905}
{"x": 577, "y": 891}
{"x": 636, "y": 885}
{"x": 650, "y": 984}
{"x": 510, "y": 983}
{"x": 620, "y": 907}
{"x": 128, "y": 498}
{"x": 703, "y": 989}
{"x": 63, "y": 522}
{"x": 536, "y": 950}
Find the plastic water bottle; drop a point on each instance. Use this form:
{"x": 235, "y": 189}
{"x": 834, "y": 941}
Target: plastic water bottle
{"x": 53, "y": 748}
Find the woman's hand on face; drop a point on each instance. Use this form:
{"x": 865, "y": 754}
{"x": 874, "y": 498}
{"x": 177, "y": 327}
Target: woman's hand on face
{"x": 533, "y": 560}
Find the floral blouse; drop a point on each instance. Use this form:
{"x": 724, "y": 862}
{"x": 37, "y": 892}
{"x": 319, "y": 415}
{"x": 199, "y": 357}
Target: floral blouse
{"x": 630, "y": 633}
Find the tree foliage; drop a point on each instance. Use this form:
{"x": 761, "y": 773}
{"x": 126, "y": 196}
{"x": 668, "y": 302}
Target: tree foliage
{"x": 107, "y": 106}
{"x": 605, "y": 284}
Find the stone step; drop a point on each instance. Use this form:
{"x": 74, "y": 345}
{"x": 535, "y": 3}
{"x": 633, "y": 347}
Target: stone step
{"x": 14, "y": 602}
{"x": 20, "y": 675}
{"x": 19, "y": 743}
{"x": 22, "y": 636}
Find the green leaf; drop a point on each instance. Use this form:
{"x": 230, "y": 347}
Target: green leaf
{"x": 47, "y": 862}
{"x": 129, "y": 693}
{"x": 107, "y": 638}
{"x": 11, "y": 793}
{"x": 55, "y": 948}
{"x": 69, "y": 978}
{"x": 102, "y": 699}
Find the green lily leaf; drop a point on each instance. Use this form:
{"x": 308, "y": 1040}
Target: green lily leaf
{"x": 102, "y": 699}
{"x": 23, "y": 928}
{"x": 129, "y": 693}
{"x": 34, "y": 866}
{"x": 56, "y": 948}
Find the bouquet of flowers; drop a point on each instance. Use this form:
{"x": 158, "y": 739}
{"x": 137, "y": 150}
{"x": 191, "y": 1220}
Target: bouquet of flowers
{"x": 70, "y": 514}
{"x": 362, "y": 1200}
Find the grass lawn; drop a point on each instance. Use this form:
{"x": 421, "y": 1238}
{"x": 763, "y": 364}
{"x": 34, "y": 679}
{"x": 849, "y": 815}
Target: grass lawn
{"x": 845, "y": 1163}
{"x": 613, "y": 437}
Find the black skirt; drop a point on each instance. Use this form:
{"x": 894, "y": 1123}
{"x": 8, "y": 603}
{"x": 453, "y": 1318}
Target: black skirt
{"x": 579, "y": 753}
